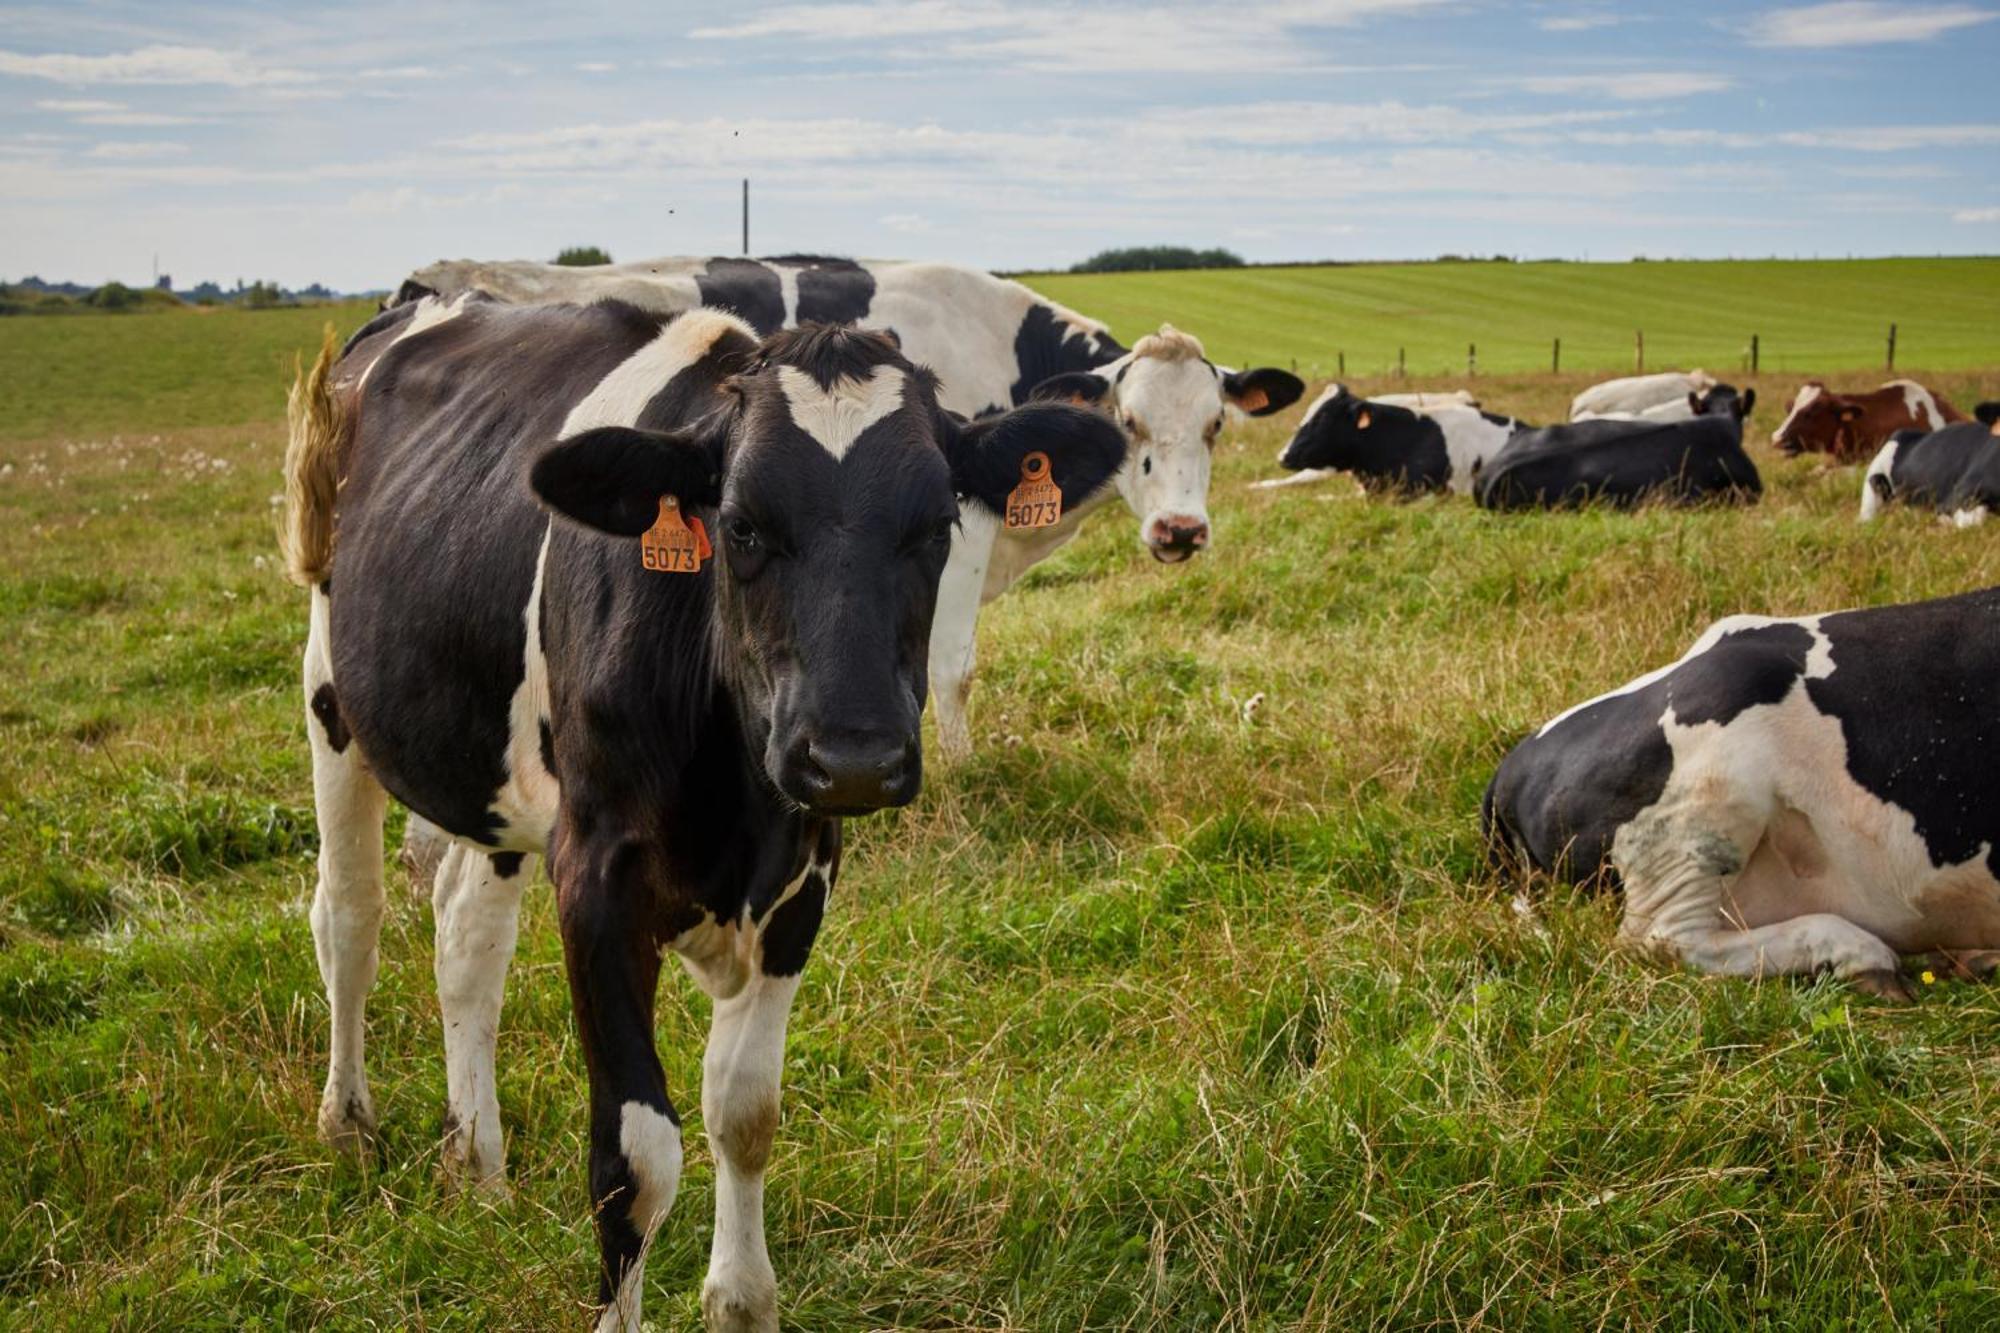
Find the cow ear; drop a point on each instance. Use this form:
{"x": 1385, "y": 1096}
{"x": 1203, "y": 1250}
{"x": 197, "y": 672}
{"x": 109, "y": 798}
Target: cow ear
{"x": 1079, "y": 387}
{"x": 1746, "y": 404}
{"x": 1697, "y": 404}
{"x": 1363, "y": 419}
{"x": 1260, "y": 392}
{"x": 1849, "y": 412}
{"x": 1085, "y": 451}
{"x": 1988, "y": 413}
{"x": 612, "y": 478}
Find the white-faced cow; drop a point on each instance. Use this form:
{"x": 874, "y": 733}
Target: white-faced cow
{"x": 1621, "y": 463}
{"x": 649, "y": 596}
{"x": 1638, "y": 394}
{"x": 1791, "y": 796}
{"x": 1955, "y": 471}
{"x": 1852, "y": 426}
{"x": 1394, "y": 449}
{"x": 993, "y": 343}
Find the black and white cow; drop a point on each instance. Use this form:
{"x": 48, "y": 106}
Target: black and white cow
{"x": 648, "y": 595}
{"x": 1393, "y": 448}
{"x": 1624, "y": 462}
{"x": 1955, "y": 471}
{"x": 1652, "y": 397}
{"x": 993, "y": 343}
{"x": 1791, "y": 796}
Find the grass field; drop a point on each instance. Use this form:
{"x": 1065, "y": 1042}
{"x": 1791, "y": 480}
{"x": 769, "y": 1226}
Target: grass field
{"x": 1811, "y": 316}
{"x": 1147, "y": 1017}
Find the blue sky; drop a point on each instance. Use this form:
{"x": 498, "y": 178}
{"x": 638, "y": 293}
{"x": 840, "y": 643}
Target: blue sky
{"x": 350, "y": 143}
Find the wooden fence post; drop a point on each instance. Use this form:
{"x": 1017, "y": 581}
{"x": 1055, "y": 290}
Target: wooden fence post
{"x": 1399, "y": 363}
{"x": 1754, "y": 349}
{"x": 1556, "y": 358}
{"x": 1891, "y": 365}
{"x": 1639, "y": 352}
{"x": 1343, "y": 366}
{"x": 1471, "y": 360}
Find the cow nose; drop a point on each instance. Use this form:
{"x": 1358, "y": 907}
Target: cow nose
{"x": 1176, "y": 537}
{"x": 851, "y": 774}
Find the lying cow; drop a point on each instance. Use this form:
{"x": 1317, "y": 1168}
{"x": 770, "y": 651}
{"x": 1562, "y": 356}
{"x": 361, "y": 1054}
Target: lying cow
{"x": 1792, "y": 796}
{"x": 1391, "y": 448}
{"x": 1955, "y": 471}
{"x": 650, "y": 596}
{"x": 1852, "y": 426}
{"x": 993, "y": 343}
{"x": 1638, "y": 394}
{"x": 1624, "y": 462}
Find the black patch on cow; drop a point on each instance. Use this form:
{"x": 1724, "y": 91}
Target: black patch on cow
{"x": 1046, "y": 345}
{"x": 1950, "y": 469}
{"x": 1397, "y": 451}
{"x": 746, "y": 286}
{"x": 391, "y": 317}
{"x": 548, "y": 743}
{"x": 506, "y": 864}
{"x": 833, "y": 291}
{"x": 1621, "y": 463}
{"x": 410, "y": 293}
{"x": 1564, "y": 795}
{"x": 794, "y": 925}
{"x": 1913, "y": 689}
{"x": 326, "y": 708}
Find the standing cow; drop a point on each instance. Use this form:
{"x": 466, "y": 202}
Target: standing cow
{"x": 649, "y": 596}
{"x": 1791, "y": 796}
{"x": 1621, "y": 462}
{"x": 1392, "y": 448}
{"x": 993, "y": 343}
{"x": 1852, "y": 426}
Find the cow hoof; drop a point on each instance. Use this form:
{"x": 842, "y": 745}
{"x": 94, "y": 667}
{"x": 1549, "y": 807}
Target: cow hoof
{"x": 347, "y": 1124}
{"x": 746, "y": 1305}
{"x": 468, "y": 1171}
{"x": 1884, "y": 984}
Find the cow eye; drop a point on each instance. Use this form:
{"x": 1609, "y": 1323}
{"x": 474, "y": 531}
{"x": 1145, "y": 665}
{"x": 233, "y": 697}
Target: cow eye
{"x": 941, "y": 534}
{"x": 741, "y": 532}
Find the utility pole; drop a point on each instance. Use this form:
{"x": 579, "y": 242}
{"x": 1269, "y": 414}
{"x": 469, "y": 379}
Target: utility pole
{"x": 746, "y": 216}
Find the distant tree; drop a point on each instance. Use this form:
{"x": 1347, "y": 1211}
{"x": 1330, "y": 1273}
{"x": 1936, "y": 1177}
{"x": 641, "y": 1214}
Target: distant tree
{"x": 1146, "y": 258}
{"x": 113, "y": 296}
{"x": 582, "y": 256}
{"x": 262, "y": 295}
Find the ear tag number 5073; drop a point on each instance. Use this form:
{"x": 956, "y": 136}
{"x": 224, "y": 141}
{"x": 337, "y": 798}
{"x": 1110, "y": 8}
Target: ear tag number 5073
{"x": 674, "y": 545}
{"x": 1037, "y": 501}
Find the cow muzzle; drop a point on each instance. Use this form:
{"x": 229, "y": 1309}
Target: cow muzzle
{"x": 852, "y": 773}
{"x": 1173, "y": 538}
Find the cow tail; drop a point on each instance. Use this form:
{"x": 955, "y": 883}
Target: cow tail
{"x": 312, "y": 467}
{"x": 1501, "y": 859}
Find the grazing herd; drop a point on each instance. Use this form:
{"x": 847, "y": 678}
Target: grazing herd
{"x": 649, "y": 570}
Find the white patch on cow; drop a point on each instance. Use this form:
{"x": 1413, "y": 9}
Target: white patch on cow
{"x": 1819, "y": 659}
{"x": 1303, "y": 477}
{"x": 837, "y": 415}
{"x": 1969, "y": 518}
{"x": 431, "y": 312}
{"x": 1169, "y": 399}
{"x": 1764, "y": 856}
{"x": 1919, "y": 403}
{"x": 1470, "y": 442}
{"x": 788, "y": 291}
{"x": 1806, "y": 397}
{"x": 954, "y": 640}
{"x": 1636, "y": 393}
{"x": 651, "y": 1143}
{"x": 525, "y": 805}
{"x": 1882, "y": 466}
{"x": 619, "y": 398}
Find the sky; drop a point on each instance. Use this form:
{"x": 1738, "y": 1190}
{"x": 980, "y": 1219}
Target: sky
{"x": 351, "y": 143}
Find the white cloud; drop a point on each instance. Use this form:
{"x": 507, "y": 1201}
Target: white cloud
{"x": 1861, "y": 23}
{"x": 135, "y": 152}
{"x": 1633, "y": 86}
{"x": 1579, "y": 22}
{"x": 596, "y": 66}
{"x": 152, "y": 64}
{"x": 76, "y": 106}
{"x": 1356, "y": 122}
{"x": 1976, "y": 215}
{"x": 89, "y": 112}
{"x": 1854, "y": 139}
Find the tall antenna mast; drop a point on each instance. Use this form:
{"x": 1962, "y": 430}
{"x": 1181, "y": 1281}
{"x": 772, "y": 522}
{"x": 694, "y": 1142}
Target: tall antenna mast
{"x": 746, "y": 216}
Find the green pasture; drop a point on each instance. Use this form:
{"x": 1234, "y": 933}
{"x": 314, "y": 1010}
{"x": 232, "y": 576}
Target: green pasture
{"x": 1810, "y": 316}
{"x": 1162, "y": 1012}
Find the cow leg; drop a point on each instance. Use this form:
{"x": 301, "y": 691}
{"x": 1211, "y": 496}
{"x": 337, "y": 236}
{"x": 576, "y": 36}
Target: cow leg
{"x": 424, "y": 846}
{"x": 739, "y": 1106}
{"x": 347, "y": 901}
{"x": 476, "y": 902}
{"x": 1678, "y": 868}
{"x": 635, "y": 1137}
{"x": 954, "y": 626}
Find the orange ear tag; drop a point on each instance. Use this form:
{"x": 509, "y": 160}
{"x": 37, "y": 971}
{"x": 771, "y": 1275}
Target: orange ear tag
{"x": 673, "y": 545}
{"x": 1037, "y": 501}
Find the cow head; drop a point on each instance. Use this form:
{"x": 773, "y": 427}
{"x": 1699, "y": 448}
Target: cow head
{"x": 1347, "y": 433}
{"x": 1989, "y": 414}
{"x": 1819, "y": 420}
{"x": 1171, "y": 402}
{"x": 828, "y": 478}
{"x": 1722, "y": 400}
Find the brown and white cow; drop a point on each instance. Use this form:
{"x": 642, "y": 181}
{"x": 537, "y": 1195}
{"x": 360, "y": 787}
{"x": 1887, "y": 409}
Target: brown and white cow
{"x": 1852, "y": 426}
{"x": 526, "y": 633}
